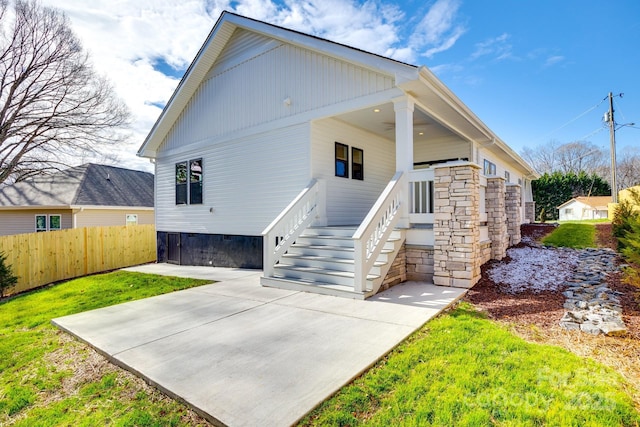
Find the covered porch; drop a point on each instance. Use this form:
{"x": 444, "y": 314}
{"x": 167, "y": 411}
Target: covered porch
{"x": 437, "y": 220}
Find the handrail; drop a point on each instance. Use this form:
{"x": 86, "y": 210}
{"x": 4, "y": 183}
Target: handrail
{"x": 375, "y": 229}
{"x": 290, "y": 223}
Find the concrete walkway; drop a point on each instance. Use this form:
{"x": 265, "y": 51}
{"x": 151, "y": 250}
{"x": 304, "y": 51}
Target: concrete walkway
{"x": 244, "y": 355}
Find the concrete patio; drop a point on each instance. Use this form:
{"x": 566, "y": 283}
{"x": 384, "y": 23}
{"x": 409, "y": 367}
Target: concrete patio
{"x": 245, "y": 355}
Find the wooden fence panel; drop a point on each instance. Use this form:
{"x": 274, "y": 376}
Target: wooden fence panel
{"x": 41, "y": 258}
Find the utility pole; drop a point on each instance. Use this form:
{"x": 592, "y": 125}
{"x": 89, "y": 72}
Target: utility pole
{"x": 612, "y": 138}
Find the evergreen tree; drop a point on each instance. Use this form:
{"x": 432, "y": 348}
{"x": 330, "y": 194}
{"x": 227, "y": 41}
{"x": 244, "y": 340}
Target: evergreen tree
{"x": 552, "y": 190}
{"x": 7, "y": 279}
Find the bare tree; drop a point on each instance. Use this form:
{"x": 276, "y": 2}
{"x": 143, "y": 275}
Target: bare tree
{"x": 628, "y": 170}
{"x": 571, "y": 157}
{"x": 53, "y": 105}
{"x": 542, "y": 158}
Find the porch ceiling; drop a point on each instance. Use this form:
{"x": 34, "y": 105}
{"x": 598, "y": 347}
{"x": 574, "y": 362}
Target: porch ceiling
{"x": 382, "y": 122}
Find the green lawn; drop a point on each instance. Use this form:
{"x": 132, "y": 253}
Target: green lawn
{"x": 586, "y": 221}
{"x": 462, "y": 369}
{"x": 37, "y": 369}
{"x": 459, "y": 369}
{"x": 577, "y": 235}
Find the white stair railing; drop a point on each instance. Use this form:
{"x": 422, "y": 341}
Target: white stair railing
{"x": 292, "y": 221}
{"x": 373, "y": 233}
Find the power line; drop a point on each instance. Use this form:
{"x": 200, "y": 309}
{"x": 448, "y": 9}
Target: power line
{"x": 575, "y": 118}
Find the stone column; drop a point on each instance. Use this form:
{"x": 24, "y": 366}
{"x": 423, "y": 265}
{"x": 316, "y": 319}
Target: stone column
{"x": 497, "y": 217}
{"x": 456, "y": 228}
{"x": 530, "y": 211}
{"x": 513, "y": 206}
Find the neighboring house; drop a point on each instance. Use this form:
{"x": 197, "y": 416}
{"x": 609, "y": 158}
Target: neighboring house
{"x": 627, "y": 194}
{"x": 82, "y": 196}
{"x": 580, "y": 208}
{"x": 333, "y": 169}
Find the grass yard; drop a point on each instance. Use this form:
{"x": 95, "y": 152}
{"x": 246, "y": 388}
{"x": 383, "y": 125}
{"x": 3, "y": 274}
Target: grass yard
{"x": 578, "y": 235}
{"x": 50, "y": 379}
{"x": 462, "y": 369}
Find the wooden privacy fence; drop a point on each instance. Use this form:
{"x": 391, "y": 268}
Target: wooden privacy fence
{"x": 42, "y": 258}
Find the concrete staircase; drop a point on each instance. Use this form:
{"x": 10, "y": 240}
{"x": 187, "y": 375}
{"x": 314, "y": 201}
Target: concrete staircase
{"x": 322, "y": 261}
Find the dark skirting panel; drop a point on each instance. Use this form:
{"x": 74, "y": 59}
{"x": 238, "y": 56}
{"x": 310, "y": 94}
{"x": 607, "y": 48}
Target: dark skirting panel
{"x": 217, "y": 250}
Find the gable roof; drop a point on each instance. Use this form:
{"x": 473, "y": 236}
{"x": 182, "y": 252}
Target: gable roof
{"x": 216, "y": 41}
{"x": 419, "y": 82}
{"x": 87, "y": 185}
{"x": 595, "y": 202}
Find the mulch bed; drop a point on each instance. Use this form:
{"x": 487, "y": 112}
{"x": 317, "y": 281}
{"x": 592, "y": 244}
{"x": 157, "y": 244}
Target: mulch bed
{"x": 536, "y": 316}
{"x": 543, "y": 309}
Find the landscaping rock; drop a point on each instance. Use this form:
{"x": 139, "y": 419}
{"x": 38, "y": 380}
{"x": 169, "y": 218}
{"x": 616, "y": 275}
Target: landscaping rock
{"x": 591, "y": 305}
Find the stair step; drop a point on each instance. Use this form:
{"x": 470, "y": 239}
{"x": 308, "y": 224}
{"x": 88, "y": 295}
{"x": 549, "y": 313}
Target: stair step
{"x": 327, "y": 262}
{"x": 316, "y": 274}
{"x": 315, "y": 287}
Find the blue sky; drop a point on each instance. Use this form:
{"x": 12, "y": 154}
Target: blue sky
{"x": 527, "y": 68}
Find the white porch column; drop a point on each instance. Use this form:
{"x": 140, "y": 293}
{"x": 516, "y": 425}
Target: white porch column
{"x": 403, "y": 108}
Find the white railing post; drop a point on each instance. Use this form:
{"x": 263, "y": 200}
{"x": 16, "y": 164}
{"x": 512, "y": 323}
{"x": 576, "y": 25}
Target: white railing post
{"x": 307, "y": 207}
{"x": 373, "y": 233}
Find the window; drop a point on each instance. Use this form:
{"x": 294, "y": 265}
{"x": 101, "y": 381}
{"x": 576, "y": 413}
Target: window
{"x": 41, "y": 223}
{"x": 181, "y": 183}
{"x": 131, "y": 219}
{"x": 357, "y": 163}
{"x": 195, "y": 182}
{"x": 489, "y": 168}
{"x": 568, "y": 211}
{"x": 189, "y": 182}
{"x": 54, "y": 223}
{"x": 342, "y": 160}
{"x": 507, "y": 176}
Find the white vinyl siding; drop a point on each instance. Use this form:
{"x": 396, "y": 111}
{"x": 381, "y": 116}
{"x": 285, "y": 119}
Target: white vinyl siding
{"x": 349, "y": 200}
{"x": 247, "y": 183}
{"x": 20, "y": 222}
{"x": 254, "y": 75}
{"x": 441, "y": 149}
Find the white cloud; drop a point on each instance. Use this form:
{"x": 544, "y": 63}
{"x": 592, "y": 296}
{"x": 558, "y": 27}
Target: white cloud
{"x": 552, "y": 60}
{"x": 498, "y": 47}
{"x": 439, "y": 29}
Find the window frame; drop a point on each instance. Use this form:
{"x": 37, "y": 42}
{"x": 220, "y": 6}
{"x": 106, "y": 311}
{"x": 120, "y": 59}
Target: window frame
{"x": 489, "y": 168}
{"x": 507, "y": 176}
{"x": 344, "y": 162}
{"x": 126, "y": 219}
{"x": 39, "y": 230}
{"x": 197, "y": 184}
{"x": 360, "y": 172}
{"x": 50, "y": 225}
{"x": 185, "y": 190}
{"x": 182, "y": 188}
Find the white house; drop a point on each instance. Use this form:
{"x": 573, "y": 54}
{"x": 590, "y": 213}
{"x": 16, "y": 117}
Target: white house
{"x": 333, "y": 169}
{"x": 580, "y": 208}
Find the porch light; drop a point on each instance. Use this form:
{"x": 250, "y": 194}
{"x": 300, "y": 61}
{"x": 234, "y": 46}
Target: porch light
{"x": 376, "y": 110}
{"x": 420, "y": 133}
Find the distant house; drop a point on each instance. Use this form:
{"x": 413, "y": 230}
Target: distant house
{"x": 333, "y": 169}
{"x": 580, "y": 208}
{"x": 82, "y": 196}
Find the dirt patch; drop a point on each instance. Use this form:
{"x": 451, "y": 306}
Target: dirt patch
{"x": 535, "y": 316}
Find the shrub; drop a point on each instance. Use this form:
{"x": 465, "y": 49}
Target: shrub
{"x": 7, "y": 279}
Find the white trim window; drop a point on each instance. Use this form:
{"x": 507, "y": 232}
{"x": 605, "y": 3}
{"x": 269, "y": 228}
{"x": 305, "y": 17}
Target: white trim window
{"x": 48, "y": 222}
{"x": 131, "y": 219}
{"x": 489, "y": 168}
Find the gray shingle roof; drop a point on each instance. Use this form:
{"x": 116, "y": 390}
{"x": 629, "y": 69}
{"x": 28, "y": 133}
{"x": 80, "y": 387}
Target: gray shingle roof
{"x": 86, "y": 185}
